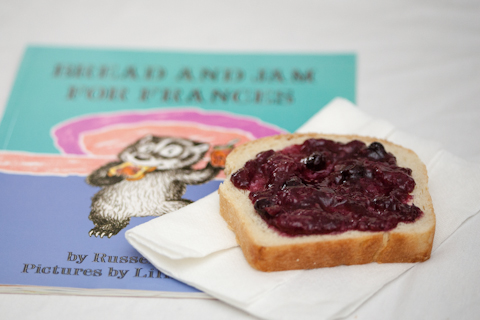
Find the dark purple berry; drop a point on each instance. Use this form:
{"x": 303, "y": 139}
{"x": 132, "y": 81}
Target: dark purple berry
{"x": 376, "y": 151}
{"x": 315, "y": 162}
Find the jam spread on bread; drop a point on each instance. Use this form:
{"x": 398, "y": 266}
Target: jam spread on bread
{"x": 328, "y": 187}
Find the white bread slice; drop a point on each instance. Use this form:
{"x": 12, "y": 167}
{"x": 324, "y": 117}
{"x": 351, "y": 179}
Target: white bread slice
{"x": 267, "y": 250}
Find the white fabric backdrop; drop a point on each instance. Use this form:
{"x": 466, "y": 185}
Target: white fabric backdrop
{"x": 418, "y": 68}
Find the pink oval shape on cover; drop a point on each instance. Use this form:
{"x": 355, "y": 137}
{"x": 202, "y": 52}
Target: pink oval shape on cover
{"x": 68, "y": 135}
{"x": 115, "y": 139}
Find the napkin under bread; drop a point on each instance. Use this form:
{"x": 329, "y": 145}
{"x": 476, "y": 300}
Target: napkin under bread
{"x": 194, "y": 244}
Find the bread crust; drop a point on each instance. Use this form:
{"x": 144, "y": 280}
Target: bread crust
{"x": 266, "y": 249}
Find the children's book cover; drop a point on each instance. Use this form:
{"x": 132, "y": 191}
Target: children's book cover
{"x": 96, "y": 141}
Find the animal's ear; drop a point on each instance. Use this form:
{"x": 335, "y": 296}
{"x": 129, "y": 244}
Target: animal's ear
{"x": 202, "y": 147}
{"x": 146, "y": 138}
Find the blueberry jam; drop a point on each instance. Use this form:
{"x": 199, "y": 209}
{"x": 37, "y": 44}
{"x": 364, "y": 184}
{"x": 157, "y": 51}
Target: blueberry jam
{"x": 323, "y": 187}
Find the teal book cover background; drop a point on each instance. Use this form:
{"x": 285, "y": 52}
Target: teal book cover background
{"x": 75, "y": 115}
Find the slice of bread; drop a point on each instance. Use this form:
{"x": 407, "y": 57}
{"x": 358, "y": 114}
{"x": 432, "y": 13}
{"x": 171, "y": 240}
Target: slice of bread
{"x": 267, "y": 250}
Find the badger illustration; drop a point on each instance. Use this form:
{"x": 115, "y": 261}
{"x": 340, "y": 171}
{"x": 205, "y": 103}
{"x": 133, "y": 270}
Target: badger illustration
{"x": 149, "y": 179}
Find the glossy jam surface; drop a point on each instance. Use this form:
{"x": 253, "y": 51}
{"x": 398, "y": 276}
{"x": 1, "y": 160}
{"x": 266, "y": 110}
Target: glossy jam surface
{"x": 322, "y": 187}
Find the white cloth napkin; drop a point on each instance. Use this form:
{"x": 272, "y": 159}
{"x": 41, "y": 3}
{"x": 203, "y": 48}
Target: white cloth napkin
{"x": 195, "y": 246}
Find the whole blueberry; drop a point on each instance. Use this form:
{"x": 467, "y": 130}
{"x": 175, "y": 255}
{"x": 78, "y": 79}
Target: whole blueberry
{"x": 315, "y": 162}
{"x": 376, "y": 151}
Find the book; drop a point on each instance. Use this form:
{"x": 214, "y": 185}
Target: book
{"x": 96, "y": 141}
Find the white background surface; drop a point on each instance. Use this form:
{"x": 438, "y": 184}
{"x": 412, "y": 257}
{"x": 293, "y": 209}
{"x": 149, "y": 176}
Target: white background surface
{"x": 418, "y": 67}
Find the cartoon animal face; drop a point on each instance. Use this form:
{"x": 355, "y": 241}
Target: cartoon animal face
{"x": 164, "y": 153}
